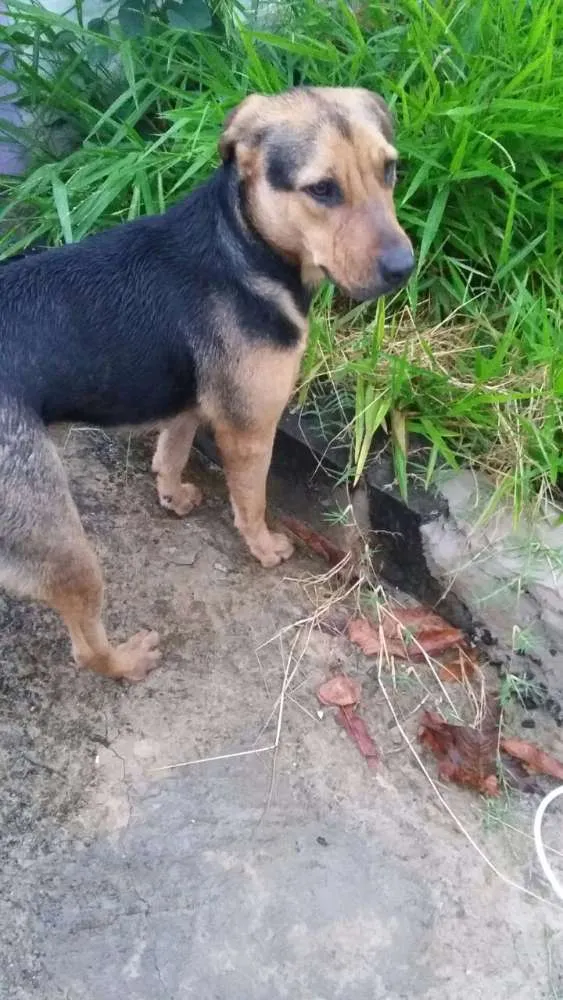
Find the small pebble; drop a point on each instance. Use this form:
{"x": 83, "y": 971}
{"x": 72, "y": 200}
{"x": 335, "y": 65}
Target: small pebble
{"x": 322, "y": 841}
{"x": 528, "y": 723}
{"x": 183, "y": 557}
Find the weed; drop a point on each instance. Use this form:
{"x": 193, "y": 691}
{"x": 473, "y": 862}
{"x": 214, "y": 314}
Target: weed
{"x": 339, "y": 516}
{"x": 521, "y": 689}
{"x": 498, "y": 811}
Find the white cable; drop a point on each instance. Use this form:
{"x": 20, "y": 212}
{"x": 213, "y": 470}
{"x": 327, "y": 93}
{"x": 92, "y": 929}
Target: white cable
{"x": 554, "y": 882}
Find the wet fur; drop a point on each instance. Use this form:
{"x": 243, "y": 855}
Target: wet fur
{"x": 195, "y": 315}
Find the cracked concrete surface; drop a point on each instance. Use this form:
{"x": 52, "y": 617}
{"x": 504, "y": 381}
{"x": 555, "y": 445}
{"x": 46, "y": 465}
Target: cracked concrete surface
{"x": 228, "y": 881}
{"x": 509, "y": 576}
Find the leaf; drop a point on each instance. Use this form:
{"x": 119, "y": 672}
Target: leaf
{"x": 516, "y": 776}
{"x": 193, "y": 15}
{"x": 399, "y": 438}
{"x": 319, "y": 544}
{"x": 433, "y": 640}
{"x": 340, "y": 690}
{"x": 369, "y": 638}
{"x": 97, "y": 54}
{"x": 357, "y": 730}
{"x": 420, "y": 619}
{"x": 370, "y": 420}
{"x": 128, "y": 64}
{"x": 131, "y": 17}
{"x": 466, "y": 756}
{"x": 432, "y": 224}
{"x": 534, "y": 758}
{"x": 63, "y": 209}
{"x": 458, "y": 664}
{"x": 99, "y": 26}
{"x": 65, "y": 38}
{"x": 410, "y": 633}
{"x": 344, "y": 693}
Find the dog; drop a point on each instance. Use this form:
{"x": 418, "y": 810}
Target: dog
{"x": 197, "y": 315}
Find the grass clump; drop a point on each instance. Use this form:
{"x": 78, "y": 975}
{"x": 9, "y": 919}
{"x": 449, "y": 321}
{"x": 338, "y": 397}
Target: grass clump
{"x": 470, "y": 356}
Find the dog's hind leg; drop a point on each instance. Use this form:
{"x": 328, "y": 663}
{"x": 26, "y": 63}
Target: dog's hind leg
{"x": 73, "y": 586}
{"x": 172, "y": 452}
{"x": 44, "y": 553}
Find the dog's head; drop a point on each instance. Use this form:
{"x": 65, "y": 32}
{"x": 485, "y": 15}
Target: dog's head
{"x": 318, "y": 167}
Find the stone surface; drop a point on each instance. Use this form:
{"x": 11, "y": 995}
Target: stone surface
{"x": 235, "y": 879}
{"x": 510, "y": 577}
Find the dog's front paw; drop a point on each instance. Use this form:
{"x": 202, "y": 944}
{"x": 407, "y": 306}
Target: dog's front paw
{"x": 270, "y": 548}
{"x": 182, "y": 499}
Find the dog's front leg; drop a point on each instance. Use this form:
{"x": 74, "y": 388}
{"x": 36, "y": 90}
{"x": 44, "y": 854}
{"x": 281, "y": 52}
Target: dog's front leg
{"x": 172, "y": 452}
{"x": 246, "y": 458}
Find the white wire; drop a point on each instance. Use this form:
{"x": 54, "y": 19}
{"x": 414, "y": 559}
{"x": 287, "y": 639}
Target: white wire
{"x": 554, "y": 882}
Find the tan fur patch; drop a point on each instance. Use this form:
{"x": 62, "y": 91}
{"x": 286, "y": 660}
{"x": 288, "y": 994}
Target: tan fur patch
{"x": 255, "y": 385}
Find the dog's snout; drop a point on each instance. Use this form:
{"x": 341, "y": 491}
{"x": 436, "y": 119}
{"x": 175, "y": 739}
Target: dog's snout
{"x": 396, "y": 265}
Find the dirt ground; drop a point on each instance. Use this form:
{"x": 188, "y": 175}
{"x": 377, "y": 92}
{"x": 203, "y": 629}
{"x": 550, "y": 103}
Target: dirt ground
{"x": 315, "y": 879}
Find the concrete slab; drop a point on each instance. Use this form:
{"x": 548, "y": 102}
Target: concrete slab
{"x": 232, "y": 880}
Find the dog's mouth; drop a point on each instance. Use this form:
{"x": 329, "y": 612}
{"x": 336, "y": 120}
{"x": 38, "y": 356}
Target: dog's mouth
{"x": 363, "y": 293}
{"x": 338, "y": 284}
{"x": 359, "y": 294}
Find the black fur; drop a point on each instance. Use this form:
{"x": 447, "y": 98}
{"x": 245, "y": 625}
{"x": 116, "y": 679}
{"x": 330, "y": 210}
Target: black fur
{"x": 283, "y": 160}
{"x": 342, "y": 125}
{"x": 280, "y": 169}
{"x": 285, "y": 157}
{"x": 121, "y": 328}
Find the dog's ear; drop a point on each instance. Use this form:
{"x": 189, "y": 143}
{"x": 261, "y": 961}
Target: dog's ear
{"x": 227, "y": 139}
{"x": 382, "y": 112}
{"x": 243, "y": 131}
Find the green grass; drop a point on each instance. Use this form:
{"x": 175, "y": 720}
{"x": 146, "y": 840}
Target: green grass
{"x": 470, "y": 357}
{"x": 520, "y": 690}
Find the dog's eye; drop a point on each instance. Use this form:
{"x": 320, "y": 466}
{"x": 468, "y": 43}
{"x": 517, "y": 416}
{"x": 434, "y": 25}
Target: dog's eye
{"x": 390, "y": 173}
{"x": 326, "y": 191}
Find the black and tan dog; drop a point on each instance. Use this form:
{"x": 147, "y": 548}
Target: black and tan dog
{"x": 196, "y": 315}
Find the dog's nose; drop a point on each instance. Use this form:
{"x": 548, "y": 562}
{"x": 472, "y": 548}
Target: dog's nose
{"x": 396, "y": 265}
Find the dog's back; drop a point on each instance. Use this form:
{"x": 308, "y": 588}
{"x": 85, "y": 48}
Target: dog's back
{"x": 99, "y": 331}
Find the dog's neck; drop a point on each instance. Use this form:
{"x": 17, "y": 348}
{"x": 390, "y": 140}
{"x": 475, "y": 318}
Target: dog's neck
{"x": 240, "y": 238}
